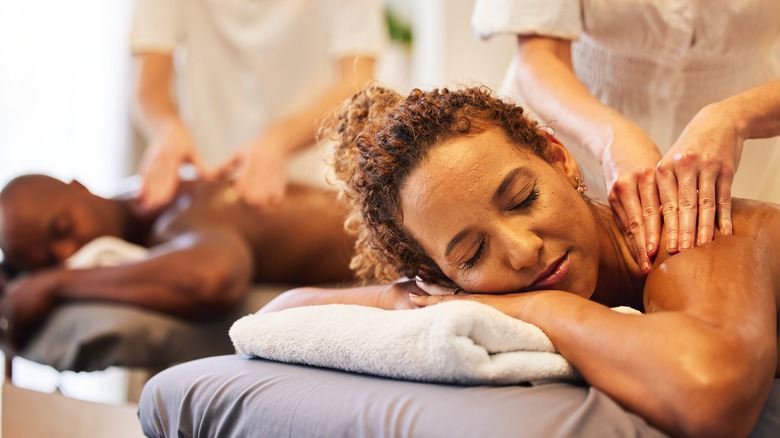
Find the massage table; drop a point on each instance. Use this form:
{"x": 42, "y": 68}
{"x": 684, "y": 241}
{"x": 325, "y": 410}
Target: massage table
{"x": 349, "y": 371}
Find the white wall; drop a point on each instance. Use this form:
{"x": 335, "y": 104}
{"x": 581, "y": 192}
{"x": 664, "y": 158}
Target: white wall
{"x": 64, "y": 72}
{"x": 446, "y": 51}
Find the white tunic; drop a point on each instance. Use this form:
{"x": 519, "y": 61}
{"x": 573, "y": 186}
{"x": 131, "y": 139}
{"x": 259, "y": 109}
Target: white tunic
{"x": 658, "y": 62}
{"x": 248, "y": 63}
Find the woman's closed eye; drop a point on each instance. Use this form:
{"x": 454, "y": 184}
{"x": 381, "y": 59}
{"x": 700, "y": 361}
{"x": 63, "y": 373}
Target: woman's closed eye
{"x": 468, "y": 264}
{"x": 525, "y": 202}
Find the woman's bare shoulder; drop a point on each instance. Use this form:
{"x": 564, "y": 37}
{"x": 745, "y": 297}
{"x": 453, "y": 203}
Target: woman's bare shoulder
{"x": 750, "y": 257}
{"x": 754, "y": 218}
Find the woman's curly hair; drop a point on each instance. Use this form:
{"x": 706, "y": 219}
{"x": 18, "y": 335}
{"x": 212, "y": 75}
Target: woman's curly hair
{"x": 381, "y": 138}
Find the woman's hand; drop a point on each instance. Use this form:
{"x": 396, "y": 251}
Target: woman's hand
{"x": 398, "y": 295}
{"x": 695, "y": 177}
{"x": 510, "y": 304}
{"x": 629, "y": 173}
{"x": 160, "y": 164}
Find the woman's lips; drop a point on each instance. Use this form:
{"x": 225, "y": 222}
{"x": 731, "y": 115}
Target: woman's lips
{"x": 555, "y": 274}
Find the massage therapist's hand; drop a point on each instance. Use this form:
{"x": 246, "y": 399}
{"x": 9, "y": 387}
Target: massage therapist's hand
{"x": 171, "y": 147}
{"x": 695, "y": 177}
{"x": 260, "y": 171}
{"x": 629, "y": 172}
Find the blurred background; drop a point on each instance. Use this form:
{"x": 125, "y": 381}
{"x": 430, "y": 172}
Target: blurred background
{"x": 66, "y": 78}
{"x": 66, "y": 84}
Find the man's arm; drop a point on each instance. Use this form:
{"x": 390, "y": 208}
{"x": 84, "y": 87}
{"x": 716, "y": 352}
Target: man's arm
{"x": 198, "y": 274}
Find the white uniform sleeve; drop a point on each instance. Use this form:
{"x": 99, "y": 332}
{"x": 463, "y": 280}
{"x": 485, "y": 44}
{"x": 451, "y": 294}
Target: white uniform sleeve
{"x": 552, "y": 18}
{"x": 358, "y": 28}
{"x": 157, "y": 26}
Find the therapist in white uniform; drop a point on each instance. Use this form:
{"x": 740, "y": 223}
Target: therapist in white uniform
{"x": 632, "y": 83}
{"x": 252, "y": 80}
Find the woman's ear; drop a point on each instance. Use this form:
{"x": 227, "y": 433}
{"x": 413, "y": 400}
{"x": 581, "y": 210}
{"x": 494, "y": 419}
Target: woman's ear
{"x": 561, "y": 158}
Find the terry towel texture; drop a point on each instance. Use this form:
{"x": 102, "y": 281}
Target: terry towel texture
{"x": 461, "y": 342}
{"x": 106, "y": 251}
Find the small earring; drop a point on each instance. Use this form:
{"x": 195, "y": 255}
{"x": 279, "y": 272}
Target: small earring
{"x": 581, "y": 186}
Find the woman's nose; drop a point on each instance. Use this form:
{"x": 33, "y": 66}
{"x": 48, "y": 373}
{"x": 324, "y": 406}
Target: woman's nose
{"x": 522, "y": 249}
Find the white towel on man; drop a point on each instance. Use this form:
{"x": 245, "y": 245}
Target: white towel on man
{"x": 454, "y": 342}
{"x": 106, "y": 251}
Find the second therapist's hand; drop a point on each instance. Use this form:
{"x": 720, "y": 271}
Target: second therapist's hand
{"x": 695, "y": 177}
{"x": 629, "y": 173}
{"x": 259, "y": 173}
{"x": 171, "y": 147}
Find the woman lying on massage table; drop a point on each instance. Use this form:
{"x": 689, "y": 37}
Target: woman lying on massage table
{"x": 462, "y": 190}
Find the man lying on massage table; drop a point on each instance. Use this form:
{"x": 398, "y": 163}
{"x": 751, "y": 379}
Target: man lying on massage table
{"x": 204, "y": 248}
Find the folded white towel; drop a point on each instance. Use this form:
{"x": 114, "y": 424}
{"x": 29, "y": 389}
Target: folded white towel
{"x": 456, "y": 342}
{"x": 106, "y": 251}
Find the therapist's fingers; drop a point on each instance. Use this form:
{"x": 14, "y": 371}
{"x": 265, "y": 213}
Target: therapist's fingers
{"x": 620, "y": 213}
{"x": 651, "y": 211}
{"x": 723, "y": 193}
{"x": 667, "y": 194}
{"x": 707, "y": 206}
{"x": 201, "y": 169}
{"x": 225, "y": 169}
{"x": 628, "y": 198}
{"x": 687, "y": 205}
{"x": 159, "y": 183}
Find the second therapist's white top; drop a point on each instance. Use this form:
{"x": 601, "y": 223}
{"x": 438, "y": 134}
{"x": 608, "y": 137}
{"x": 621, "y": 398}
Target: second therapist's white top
{"x": 246, "y": 63}
{"x": 658, "y": 62}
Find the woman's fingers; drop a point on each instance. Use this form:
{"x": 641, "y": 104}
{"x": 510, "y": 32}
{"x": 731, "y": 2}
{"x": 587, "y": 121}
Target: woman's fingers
{"x": 429, "y": 300}
{"x": 435, "y": 289}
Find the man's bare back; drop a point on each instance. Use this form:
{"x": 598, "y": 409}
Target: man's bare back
{"x": 301, "y": 240}
{"x": 205, "y": 247}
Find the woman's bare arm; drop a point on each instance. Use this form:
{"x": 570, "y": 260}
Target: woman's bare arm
{"x": 392, "y": 296}
{"x": 701, "y": 362}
